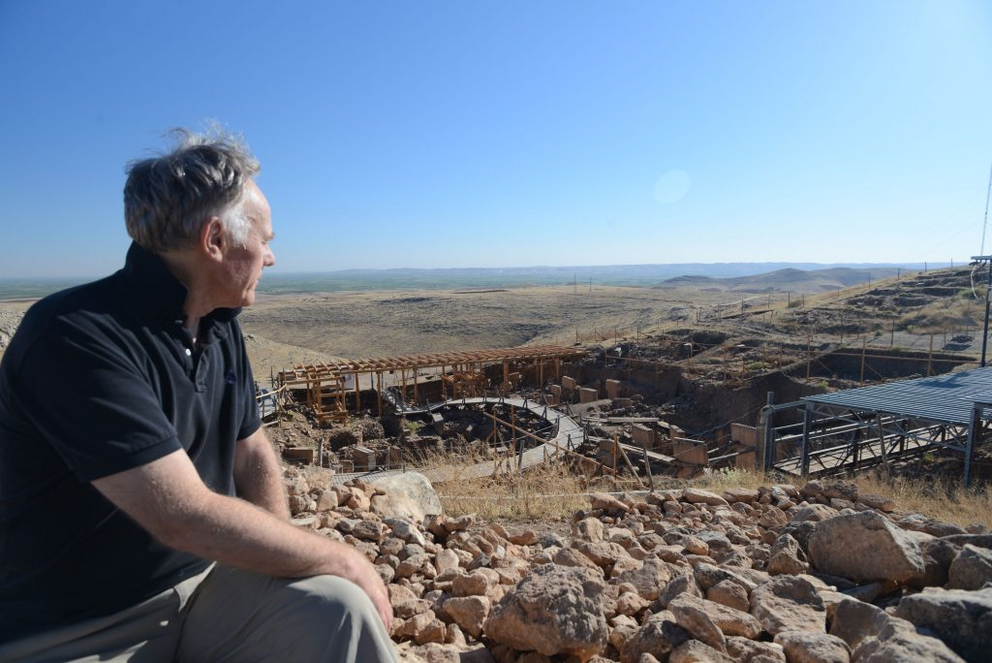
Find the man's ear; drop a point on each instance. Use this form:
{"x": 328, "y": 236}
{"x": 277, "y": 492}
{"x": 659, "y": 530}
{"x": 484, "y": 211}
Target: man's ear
{"x": 213, "y": 238}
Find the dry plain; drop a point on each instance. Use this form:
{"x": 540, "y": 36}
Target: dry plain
{"x": 374, "y": 324}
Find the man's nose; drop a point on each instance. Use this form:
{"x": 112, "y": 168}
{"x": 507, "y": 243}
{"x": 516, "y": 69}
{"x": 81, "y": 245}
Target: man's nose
{"x": 270, "y": 258}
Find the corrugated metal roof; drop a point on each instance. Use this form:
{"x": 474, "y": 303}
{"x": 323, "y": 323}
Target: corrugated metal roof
{"x": 944, "y": 398}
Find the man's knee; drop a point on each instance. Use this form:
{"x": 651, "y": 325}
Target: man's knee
{"x": 320, "y": 618}
{"x": 332, "y": 597}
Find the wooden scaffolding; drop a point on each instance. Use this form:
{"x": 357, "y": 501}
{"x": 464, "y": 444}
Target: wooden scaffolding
{"x": 462, "y": 374}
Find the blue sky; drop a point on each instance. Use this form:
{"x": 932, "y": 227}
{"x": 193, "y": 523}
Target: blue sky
{"x": 460, "y": 134}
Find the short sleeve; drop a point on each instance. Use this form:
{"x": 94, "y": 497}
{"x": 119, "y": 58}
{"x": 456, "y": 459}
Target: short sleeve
{"x": 252, "y": 419}
{"x": 92, "y": 401}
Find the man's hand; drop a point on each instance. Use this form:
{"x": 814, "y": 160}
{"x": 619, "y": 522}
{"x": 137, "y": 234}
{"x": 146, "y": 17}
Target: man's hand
{"x": 365, "y": 576}
{"x": 168, "y": 499}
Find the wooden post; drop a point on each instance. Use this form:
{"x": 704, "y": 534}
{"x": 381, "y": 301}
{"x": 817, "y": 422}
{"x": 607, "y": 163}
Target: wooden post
{"x": 495, "y": 455}
{"x": 358, "y": 394}
{"x": 630, "y": 465}
{"x": 930, "y": 355}
{"x": 615, "y": 454}
{"x": 378, "y": 390}
{"x": 416, "y": 379}
{"x": 647, "y": 465}
{"x": 864, "y": 342}
{"x": 513, "y": 442}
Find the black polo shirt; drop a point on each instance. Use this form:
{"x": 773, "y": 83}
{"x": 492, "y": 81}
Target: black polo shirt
{"x": 99, "y": 379}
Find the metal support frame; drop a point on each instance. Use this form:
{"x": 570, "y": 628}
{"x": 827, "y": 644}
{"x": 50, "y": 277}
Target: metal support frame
{"x": 807, "y": 425}
{"x": 856, "y": 439}
{"x": 988, "y": 289}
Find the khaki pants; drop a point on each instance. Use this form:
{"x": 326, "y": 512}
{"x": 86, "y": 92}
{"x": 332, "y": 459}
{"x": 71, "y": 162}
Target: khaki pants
{"x": 229, "y": 615}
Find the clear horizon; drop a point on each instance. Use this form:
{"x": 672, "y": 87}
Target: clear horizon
{"x": 805, "y": 266}
{"x": 508, "y": 135}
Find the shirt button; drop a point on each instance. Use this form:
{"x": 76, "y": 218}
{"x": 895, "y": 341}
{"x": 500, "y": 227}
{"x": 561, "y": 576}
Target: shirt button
{"x": 189, "y": 353}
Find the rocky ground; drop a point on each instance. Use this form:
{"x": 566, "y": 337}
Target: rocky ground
{"x": 781, "y": 573}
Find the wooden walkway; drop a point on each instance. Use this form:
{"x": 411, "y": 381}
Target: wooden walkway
{"x": 568, "y": 435}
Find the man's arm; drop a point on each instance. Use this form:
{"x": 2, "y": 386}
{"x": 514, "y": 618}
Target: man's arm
{"x": 256, "y": 474}
{"x": 168, "y": 499}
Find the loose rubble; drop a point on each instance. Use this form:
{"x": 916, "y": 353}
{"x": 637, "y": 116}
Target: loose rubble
{"x": 782, "y": 573}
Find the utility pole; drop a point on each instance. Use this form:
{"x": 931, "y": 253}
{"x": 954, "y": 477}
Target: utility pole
{"x": 988, "y": 287}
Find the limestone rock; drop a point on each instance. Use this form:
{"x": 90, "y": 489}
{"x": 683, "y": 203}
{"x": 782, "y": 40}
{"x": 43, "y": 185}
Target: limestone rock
{"x": 787, "y": 603}
{"x": 658, "y": 637}
{"x": 801, "y": 647}
{"x": 459, "y": 524}
{"x": 878, "y": 502}
{"x": 648, "y": 580}
{"x": 553, "y": 610}
{"x": 732, "y": 495}
{"x": 691, "y": 544}
{"x": 700, "y": 496}
{"x": 961, "y": 619}
{"x": 772, "y": 516}
{"x": 469, "y": 612}
{"x": 527, "y": 537}
{"x": 899, "y": 642}
{"x": 730, "y": 594}
{"x": 917, "y": 523}
{"x": 446, "y": 560}
{"x": 603, "y": 553}
{"x": 606, "y": 502}
{"x": 865, "y": 546}
{"x": 938, "y": 555}
{"x": 421, "y": 628}
{"x": 697, "y": 622}
{"x": 855, "y": 621}
{"x": 590, "y": 529}
{"x": 354, "y": 497}
{"x": 730, "y": 621}
{"x": 630, "y": 604}
{"x": 801, "y": 531}
{"x": 814, "y": 512}
{"x": 708, "y": 575}
{"x": 754, "y": 651}
{"x": 680, "y": 584}
{"x": 979, "y": 540}
{"x": 971, "y": 569}
{"x": 845, "y": 490}
{"x": 572, "y": 557}
{"x": 695, "y": 651}
{"x": 474, "y": 583}
{"x": 327, "y": 500}
{"x": 787, "y": 557}
{"x": 408, "y": 495}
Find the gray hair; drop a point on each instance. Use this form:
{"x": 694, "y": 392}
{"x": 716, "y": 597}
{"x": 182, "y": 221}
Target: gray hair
{"x": 168, "y": 197}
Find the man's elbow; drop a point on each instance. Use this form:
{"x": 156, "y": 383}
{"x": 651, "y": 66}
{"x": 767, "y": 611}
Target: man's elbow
{"x": 184, "y": 529}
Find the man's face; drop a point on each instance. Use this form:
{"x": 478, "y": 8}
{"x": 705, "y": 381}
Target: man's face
{"x": 244, "y": 264}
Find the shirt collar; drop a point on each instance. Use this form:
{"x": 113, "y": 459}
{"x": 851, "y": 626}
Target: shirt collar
{"x": 156, "y": 291}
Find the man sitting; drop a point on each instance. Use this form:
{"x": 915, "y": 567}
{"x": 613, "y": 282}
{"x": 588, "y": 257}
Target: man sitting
{"x": 142, "y": 513}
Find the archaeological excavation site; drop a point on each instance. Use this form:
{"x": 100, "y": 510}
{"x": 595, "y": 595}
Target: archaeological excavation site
{"x": 700, "y": 473}
{"x": 728, "y": 490}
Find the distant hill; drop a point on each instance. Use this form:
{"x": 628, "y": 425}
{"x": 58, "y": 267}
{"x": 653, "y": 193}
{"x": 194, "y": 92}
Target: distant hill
{"x": 778, "y": 275}
{"x": 787, "y": 279}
